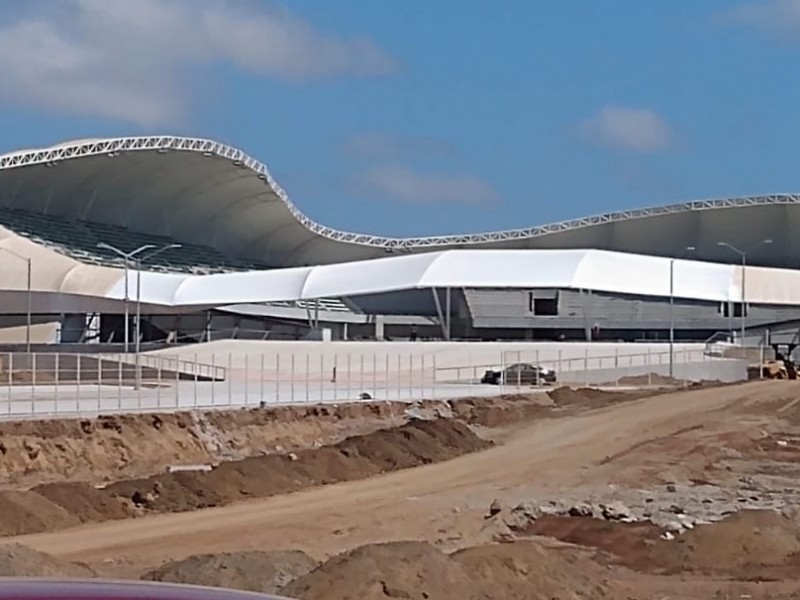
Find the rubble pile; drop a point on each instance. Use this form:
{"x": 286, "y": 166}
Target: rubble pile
{"x": 673, "y": 508}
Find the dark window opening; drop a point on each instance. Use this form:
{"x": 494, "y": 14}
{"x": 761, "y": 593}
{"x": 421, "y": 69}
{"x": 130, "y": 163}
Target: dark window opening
{"x": 545, "y": 307}
{"x": 737, "y": 309}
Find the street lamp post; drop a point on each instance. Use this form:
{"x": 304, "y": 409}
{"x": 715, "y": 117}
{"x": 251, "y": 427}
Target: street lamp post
{"x": 672, "y": 312}
{"x": 743, "y": 255}
{"x": 671, "y": 317}
{"x": 139, "y": 262}
{"x": 127, "y": 257}
{"x": 27, "y": 259}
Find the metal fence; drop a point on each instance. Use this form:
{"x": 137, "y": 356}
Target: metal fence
{"x": 646, "y": 368}
{"x": 44, "y": 384}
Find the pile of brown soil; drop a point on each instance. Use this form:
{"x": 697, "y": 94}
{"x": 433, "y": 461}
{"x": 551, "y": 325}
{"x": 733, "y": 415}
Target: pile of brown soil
{"x": 516, "y": 408}
{"x": 649, "y": 379}
{"x": 27, "y": 512}
{"x": 620, "y": 539}
{"x": 749, "y": 544}
{"x": 588, "y": 398}
{"x": 59, "y": 505}
{"x": 20, "y": 561}
{"x": 83, "y": 501}
{"x": 745, "y": 544}
{"x": 413, "y": 444}
{"x": 417, "y": 571}
{"x": 112, "y": 447}
{"x": 502, "y": 410}
{"x": 265, "y": 572}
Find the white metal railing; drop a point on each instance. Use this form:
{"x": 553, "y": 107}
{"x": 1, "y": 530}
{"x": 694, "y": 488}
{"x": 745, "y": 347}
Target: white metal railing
{"x": 160, "y": 362}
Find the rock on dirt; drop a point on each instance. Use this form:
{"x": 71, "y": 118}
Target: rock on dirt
{"x": 265, "y": 572}
{"x": 20, "y": 561}
{"x": 418, "y": 571}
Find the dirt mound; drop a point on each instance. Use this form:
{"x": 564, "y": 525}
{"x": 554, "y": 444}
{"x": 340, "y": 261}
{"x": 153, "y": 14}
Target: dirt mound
{"x": 417, "y": 571}
{"x": 526, "y": 570}
{"x": 413, "y": 444}
{"x": 502, "y": 410}
{"x": 59, "y": 505}
{"x": 20, "y": 561}
{"x": 83, "y": 501}
{"x": 739, "y": 546}
{"x": 748, "y": 544}
{"x": 113, "y": 447}
{"x": 649, "y": 379}
{"x": 620, "y": 539}
{"x": 28, "y": 512}
{"x": 567, "y": 397}
{"x": 265, "y": 572}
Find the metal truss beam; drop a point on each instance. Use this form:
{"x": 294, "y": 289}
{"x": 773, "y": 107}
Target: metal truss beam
{"x": 55, "y": 156}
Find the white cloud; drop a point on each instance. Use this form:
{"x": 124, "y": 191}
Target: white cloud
{"x": 404, "y": 184}
{"x": 389, "y": 146}
{"x": 133, "y": 60}
{"x": 775, "y": 16}
{"x": 634, "y": 129}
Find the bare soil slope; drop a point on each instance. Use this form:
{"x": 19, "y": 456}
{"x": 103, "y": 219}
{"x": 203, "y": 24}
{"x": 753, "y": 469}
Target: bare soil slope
{"x": 546, "y": 455}
{"x": 265, "y": 572}
{"x": 59, "y": 505}
{"x": 113, "y": 447}
{"x": 418, "y": 571}
{"x": 19, "y": 561}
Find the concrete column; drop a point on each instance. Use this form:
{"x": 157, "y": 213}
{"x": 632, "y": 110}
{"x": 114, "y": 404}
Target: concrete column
{"x": 379, "y": 334}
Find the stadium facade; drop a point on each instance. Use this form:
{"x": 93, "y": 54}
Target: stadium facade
{"x": 251, "y": 264}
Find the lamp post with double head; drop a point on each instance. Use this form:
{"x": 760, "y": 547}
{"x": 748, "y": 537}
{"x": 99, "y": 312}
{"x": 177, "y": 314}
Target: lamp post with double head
{"x": 743, "y": 255}
{"x": 127, "y": 257}
{"x": 139, "y": 262}
{"x": 27, "y": 259}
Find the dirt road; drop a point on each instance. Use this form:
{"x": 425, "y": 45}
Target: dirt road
{"x": 413, "y": 504}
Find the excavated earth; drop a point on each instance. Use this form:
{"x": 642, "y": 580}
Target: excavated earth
{"x": 671, "y": 493}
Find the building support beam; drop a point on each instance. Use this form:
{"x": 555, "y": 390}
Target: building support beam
{"x": 444, "y": 320}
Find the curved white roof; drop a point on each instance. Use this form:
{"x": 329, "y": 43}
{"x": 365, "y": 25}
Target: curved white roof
{"x": 64, "y": 285}
{"x": 203, "y": 191}
{"x": 594, "y": 270}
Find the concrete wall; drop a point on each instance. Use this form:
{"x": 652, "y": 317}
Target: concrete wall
{"x": 577, "y": 310}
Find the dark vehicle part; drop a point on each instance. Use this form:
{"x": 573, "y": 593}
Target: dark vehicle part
{"x": 520, "y": 374}
{"x": 20, "y": 588}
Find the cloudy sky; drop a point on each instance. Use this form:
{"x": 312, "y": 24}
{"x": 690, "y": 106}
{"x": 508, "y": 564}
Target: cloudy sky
{"x": 427, "y": 117}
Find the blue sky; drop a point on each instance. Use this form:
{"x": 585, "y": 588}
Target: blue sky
{"x": 435, "y": 116}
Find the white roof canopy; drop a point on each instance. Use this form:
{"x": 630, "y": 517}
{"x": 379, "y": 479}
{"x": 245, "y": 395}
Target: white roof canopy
{"x": 594, "y": 270}
{"x": 204, "y": 192}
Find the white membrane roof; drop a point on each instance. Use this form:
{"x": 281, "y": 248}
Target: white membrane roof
{"x": 203, "y": 191}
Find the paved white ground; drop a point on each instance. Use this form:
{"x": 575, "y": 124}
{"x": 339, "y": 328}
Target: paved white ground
{"x": 21, "y": 402}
